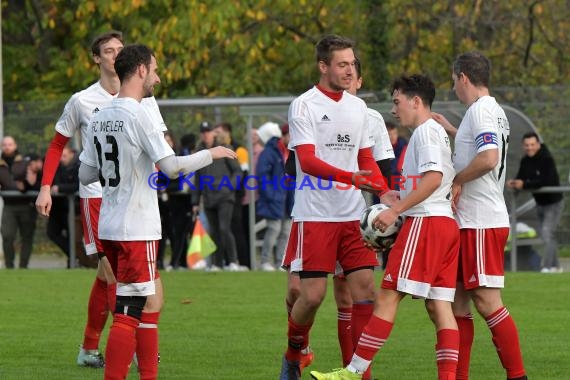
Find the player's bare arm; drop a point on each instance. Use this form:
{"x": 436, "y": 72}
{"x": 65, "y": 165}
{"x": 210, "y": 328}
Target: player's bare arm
{"x": 449, "y": 128}
{"x": 390, "y": 197}
{"x": 482, "y": 164}
{"x": 429, "y": 183}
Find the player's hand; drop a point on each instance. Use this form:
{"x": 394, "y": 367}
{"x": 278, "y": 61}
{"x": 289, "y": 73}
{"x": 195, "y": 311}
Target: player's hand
{"x": 455, "y": 194}
{"x": 390, "y": 197}
{"x": 362, "y": 180}
{"x": 449, "y": 128}
{"x": 43, "y": 201}
{"x": 384, "y": 219}
{"x": 222, "y": 152}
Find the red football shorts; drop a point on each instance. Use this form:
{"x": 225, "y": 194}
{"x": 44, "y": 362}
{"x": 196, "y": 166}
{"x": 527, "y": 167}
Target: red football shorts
{"x": 482, "y": 257}
{"x": 90, "y": 208}
{"x": 423, "y": 261}
{"x": 134, "y": 263}
{"x": 317, "y": 246}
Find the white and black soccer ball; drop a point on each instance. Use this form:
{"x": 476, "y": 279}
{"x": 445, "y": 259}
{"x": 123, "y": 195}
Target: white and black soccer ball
{"x": 375, "y": 237}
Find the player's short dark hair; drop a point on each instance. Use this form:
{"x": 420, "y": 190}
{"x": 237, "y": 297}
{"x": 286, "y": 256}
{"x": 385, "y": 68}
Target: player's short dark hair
{"x": 130, "y": 58}
{"x": 475, "y": 66}
{"x": 102, "y": 38}
{"x": 415, "y": 85}
{"x": 329, "y": 44}
{"x": 529, "y": 135}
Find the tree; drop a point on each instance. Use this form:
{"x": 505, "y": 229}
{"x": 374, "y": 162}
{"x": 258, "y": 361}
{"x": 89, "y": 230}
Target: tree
{"x": 240, "y": 48}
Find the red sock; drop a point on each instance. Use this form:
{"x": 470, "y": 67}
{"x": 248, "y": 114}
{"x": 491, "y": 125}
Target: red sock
{"x": 147, "y": 346}
{"x": 297, "y": 336}
{"x": 120, "y": 347}
{"x": 289, "y": 307}
{"x": 97, "y": 312}
{"x": 466, "y": 333}
{"x": 446, "y": 353}
{"x": 344, "y": 317}
{"x": 372, "y": 339}
{"x": 361, "y": 313}
{"x": 506, "y": 340}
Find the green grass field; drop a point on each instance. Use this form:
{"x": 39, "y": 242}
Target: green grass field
{"x": 233, "y": 326}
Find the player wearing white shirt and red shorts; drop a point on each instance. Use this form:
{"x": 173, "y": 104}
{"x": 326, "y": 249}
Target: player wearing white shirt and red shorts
{"x": 481, "y": 144}
{"x": 382, "y": 152}
{"x": 423, "y": 260}
{"x": 329, "y": 133}
{"x": 75, "y": 118}
{"x": 125, "y": 146}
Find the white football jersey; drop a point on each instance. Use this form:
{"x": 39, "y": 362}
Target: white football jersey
{"x": 379, "y": 138}
{"x": 338, "y": 130}
{"x": 481, "y": 203}
{"x": 429, "y": 150}
{"x": 80, "y": 108}
{"x": 125, "y": 146}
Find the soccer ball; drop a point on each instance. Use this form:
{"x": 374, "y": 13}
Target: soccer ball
{"x": 375, "y": 237}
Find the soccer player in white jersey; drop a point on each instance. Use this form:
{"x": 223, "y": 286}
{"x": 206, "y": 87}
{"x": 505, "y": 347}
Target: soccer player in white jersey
{"x": 382, "y": 152}
{"x": 382, "y": 149}
{"x": 329, "y": 133}
{"x": 481, "y": 143}
{"x": 75, "y": 118}
{"x": 423, "y": 261}
{"x": 125, "y": 147}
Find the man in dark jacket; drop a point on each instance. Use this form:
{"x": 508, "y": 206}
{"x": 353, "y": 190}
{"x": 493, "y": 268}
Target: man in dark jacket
{"x": 66, "y": 182}
{"x": 18, "y": 173}
{"x": 275, "y": 199}
{"x": 538, "y": 169}
{"x": 216, "y": 187}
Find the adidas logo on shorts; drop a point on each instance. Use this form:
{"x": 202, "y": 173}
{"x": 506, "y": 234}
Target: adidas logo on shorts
{"x": 388, "y": 278}
{"x": 325, "y": 118}
{"x": 472, "y": 278}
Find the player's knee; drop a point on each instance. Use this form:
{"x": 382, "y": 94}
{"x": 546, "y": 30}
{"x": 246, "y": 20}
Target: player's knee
{"x": 130, "y": 305}
{"x": 488, "y": 303}
{"x": 153, "y": 304}
{"x": 293, "y": 292}
{"x": 313, "y": 299}
{"x": 293, "y": 288}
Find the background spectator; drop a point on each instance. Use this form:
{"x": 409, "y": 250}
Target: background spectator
{"x": 399, "y": 144}
{"x": 66, "y": 181}
{"x": 164, "y": 209}
{"x": 18, "y": 174}
{"x": 538, "y": 169}
{"x": 275, "y": 201}
{"x": 218, "y": 201}
{"x": 224, "y": 133}
{"x": 180, "y": 205}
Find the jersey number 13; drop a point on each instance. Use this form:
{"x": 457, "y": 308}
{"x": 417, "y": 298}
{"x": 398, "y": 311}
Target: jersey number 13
{"x": 112, "y": 156}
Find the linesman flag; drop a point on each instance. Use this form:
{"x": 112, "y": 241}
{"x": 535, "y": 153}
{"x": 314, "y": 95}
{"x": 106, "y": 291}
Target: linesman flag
{"x": 201, "y": 245}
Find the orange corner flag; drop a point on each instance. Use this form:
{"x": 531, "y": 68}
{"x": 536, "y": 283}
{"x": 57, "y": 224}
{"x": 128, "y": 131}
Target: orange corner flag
{"x": 201, "y": 245}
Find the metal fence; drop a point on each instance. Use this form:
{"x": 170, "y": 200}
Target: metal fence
{"x": 32, "y": 123}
